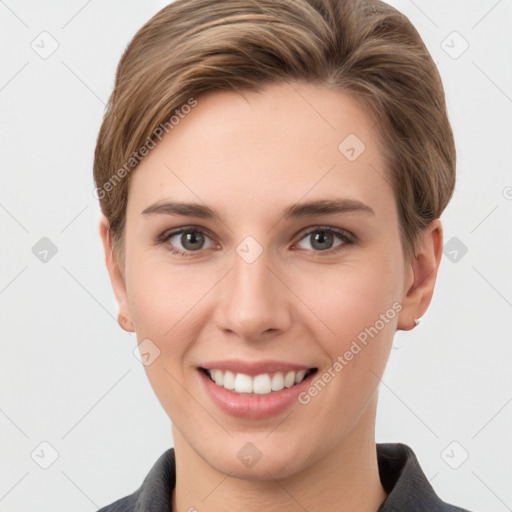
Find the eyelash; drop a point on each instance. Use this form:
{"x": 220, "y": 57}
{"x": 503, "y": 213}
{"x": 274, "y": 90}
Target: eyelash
{"x": 346, "y": 237}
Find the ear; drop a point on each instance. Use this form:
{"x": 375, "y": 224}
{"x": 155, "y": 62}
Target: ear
{"x": 421, "y": 275}
{"x": 116, "y": 276}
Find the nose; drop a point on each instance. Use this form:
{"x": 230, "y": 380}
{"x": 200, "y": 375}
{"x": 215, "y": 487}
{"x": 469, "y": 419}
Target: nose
{"x": 254, "y": 302}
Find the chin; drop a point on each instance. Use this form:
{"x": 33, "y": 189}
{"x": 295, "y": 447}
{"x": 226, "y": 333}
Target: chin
{"x": 258, "y": 457}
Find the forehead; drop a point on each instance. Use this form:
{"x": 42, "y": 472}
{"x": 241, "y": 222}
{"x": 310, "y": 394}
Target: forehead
{"x": 262, "y": 149}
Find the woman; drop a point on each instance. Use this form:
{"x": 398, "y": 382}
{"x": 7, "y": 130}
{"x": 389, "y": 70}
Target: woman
{"x": 271, "y": 177}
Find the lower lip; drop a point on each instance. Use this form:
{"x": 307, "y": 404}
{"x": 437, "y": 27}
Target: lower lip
{"x": 253, "y": 406}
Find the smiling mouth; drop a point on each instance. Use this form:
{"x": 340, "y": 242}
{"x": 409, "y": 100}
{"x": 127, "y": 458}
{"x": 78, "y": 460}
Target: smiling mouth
{"x": 262, "y": 384}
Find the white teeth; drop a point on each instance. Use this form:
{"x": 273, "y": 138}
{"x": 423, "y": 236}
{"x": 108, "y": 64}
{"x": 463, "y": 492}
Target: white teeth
{"x": 243, "y": 383}
{"x": 229, "y": 380}
{"x": 289, "y": 380}
{"x": 262, "y": 384}
{"x": 300, "y": 376}
{"x": 277, "y": 382}
{"x": 218, "y": 377}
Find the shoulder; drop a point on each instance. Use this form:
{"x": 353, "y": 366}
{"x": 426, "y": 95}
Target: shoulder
{"x": 126, "y": 504}
{"x": 407, "y": 486}
{"x": 155, "y": 493}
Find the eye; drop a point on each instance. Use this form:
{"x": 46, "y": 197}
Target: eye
{"x": 185, "y": 241}
{"x": 323, "y": 238}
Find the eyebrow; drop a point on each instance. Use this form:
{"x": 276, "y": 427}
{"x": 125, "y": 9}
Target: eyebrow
{"x": 299, "y": 210}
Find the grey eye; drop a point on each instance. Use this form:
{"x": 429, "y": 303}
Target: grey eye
{"x": 190, "y": 240}
{"x": 324, "y": 239}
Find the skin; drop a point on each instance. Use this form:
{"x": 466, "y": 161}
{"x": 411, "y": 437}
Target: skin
{"x": 248, "y": 157}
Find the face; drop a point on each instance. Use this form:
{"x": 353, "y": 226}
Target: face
{"x": 287, "y": 258}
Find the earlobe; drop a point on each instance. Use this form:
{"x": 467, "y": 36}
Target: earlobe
{"x": 421, "y": 276}
{"x": 116, "y": 276}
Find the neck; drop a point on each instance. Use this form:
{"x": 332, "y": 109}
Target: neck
{"x": 345, "y": 479}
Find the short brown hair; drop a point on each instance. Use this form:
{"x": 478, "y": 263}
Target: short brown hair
{"x": 364, "y": 48}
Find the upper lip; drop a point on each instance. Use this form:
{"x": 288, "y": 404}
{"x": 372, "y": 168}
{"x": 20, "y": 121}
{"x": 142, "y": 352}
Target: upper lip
{"x": 255, "y": 367}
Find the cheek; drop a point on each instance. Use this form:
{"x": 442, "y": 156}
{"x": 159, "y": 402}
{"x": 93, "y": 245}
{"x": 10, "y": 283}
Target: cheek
{"x": 163, "y": 296}
{"x": 359, "y": 305}
{"x": 350, "y": 297}
{"x": 164, "y": 304}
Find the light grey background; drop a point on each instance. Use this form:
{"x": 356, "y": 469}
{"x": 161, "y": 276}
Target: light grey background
{"x": 68, "y": 374}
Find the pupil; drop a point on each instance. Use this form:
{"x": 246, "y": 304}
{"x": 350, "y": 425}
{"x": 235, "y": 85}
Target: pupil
{"x": 323, "y": 238}
{"x": 191, "y": 238}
